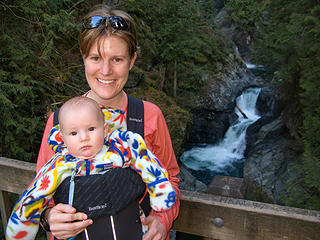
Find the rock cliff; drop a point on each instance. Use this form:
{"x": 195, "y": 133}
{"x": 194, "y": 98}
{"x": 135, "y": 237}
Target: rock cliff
{"x": 270, "y": 153}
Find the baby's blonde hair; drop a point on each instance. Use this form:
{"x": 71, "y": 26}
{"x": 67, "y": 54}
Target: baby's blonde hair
{"x": 77, "y": 103}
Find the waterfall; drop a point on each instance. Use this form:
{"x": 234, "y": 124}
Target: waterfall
{"x": 226, "y": 157}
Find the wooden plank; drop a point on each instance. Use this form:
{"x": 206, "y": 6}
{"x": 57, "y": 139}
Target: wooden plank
{"x": 15, "y": 175}
{"x": 4, "y": 209}
{"x": 244, "y": 220}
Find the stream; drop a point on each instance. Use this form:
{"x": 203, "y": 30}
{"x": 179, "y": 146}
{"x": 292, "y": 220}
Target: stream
{"x": 225, "y": 158}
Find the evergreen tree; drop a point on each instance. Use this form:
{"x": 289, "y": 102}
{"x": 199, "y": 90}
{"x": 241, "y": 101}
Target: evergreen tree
{"x": 185, "y": 44}
{"x": 244, "y": 12}
{"x": 309, "y": 51}
{"x": 38, "y": 56}
{"x": 289, "y": 45}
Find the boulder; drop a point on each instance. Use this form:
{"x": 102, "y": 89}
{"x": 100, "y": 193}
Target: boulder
{"x": 188, "y": 181}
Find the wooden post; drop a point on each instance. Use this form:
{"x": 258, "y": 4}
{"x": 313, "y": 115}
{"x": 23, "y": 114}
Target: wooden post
{"x": 16, "y": 175}
{"x": 228, "y": 187}
{"x": 5, "y": 209}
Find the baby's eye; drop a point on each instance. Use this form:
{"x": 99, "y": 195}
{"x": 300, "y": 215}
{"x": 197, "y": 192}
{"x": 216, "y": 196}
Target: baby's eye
{"x": 91, "y": 129}
{"x": 73, "y": 133}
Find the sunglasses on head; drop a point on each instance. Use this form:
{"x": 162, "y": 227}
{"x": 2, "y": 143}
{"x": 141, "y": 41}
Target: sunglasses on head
{"x": 116, "y": 22}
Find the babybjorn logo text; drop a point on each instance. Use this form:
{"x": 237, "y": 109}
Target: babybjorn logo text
{"x": 97, "y": 207}
{"x": 135, "y": 119}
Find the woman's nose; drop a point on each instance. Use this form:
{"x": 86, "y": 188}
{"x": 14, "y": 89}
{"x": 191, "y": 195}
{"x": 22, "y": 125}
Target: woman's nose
{"x": 105, "y": 68}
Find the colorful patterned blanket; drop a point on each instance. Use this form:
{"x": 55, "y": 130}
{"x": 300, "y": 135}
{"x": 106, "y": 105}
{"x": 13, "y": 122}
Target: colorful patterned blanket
{"x": 121, "y": 149}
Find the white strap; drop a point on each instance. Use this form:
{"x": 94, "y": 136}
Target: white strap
{"x": 86, "y": 233}
{"x": 113, "y": 228}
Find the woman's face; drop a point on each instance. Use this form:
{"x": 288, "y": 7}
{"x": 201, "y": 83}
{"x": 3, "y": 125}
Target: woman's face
{"x": 108, "y": 73}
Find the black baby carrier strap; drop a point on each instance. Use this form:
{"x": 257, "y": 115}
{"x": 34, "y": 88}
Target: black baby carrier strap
{"x": 135, "y": 123}
{"x": 135, "y": 115}
{"x": 125, "y": 223}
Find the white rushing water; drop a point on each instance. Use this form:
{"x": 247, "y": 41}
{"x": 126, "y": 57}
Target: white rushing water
{"x": 250, "y": 65}
{"x": 253, "y": 66}
{"x": 222, "y": 156}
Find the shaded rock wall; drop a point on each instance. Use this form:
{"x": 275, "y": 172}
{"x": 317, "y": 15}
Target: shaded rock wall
{"x": 270, "y": 152}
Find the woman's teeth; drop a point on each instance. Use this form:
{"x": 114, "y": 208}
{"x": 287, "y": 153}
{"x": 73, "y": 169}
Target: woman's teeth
{"x": 105, "y": 81}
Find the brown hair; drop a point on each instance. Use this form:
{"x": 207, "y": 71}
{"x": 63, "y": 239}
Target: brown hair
{"x": 89, "y": 36}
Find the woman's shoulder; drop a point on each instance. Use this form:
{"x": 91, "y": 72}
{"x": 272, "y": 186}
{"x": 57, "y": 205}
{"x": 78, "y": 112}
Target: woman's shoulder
{"x": 151, "y": 109}
{"x": 153, "y": 118}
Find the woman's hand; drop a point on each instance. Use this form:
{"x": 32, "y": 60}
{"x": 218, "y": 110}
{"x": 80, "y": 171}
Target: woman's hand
{"x": 156, "y": 229}
{"x": 65, "y": 222}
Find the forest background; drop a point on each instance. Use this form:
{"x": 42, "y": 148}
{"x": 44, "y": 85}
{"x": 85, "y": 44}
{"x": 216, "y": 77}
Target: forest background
{"x": 41, "y": 66}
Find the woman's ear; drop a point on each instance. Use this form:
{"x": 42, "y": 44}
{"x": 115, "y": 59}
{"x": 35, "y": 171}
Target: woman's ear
{"x": 132, "y": 60}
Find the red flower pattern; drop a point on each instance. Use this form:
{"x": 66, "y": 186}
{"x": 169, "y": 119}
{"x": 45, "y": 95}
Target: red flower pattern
{"x": 21, "y": 234}
{"x": 44, "y": 183}
{"x": 121, "y": 117}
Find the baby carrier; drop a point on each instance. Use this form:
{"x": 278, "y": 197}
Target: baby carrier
{"x": 122, "y": 189}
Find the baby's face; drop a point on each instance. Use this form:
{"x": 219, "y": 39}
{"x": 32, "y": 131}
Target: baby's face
{"x": 83, "y": 132}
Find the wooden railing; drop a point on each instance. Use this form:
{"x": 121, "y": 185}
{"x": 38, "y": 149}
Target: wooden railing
{"x": 207, "y": 215}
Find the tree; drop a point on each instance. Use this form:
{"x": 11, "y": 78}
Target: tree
{"x": 185, "y": 44}
{"x": 39, "y": 66}
{"x": 245, "y": 12}
{"x": 289, "y": 46}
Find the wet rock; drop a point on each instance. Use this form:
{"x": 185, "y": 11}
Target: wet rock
{"x": 269, "y": 158}
{"x": 188, "y": 181}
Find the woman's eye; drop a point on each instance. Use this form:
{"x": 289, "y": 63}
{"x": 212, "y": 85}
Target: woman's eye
{"x": 117, "y": 60}
{"x": 91, "y": 129}
{"x": 94, "y": 58}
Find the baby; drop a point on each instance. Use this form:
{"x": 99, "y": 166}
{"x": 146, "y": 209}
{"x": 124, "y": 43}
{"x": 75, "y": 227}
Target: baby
{"x": 84, "y": 144}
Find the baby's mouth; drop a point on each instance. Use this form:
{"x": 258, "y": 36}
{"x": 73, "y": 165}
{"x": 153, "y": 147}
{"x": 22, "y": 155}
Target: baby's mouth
{"x": 85, "y": 148}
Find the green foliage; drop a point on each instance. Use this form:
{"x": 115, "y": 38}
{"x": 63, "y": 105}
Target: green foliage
{"x": 244, "y": 12}
{"x": 310, "y": 97}
{"x": 181, "y": 34}
{"x": 41, "y": 67}
{"x": 37, "y": 43}
{"x": 293, "y": 50}
{"x": 207, "y": 9}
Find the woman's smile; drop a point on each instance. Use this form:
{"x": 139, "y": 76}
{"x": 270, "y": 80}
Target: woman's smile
{"x": 106, "y": 81}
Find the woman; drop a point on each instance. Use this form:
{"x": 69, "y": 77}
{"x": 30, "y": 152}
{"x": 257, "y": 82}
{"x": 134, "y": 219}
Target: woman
{"x": 108, "y": 46}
